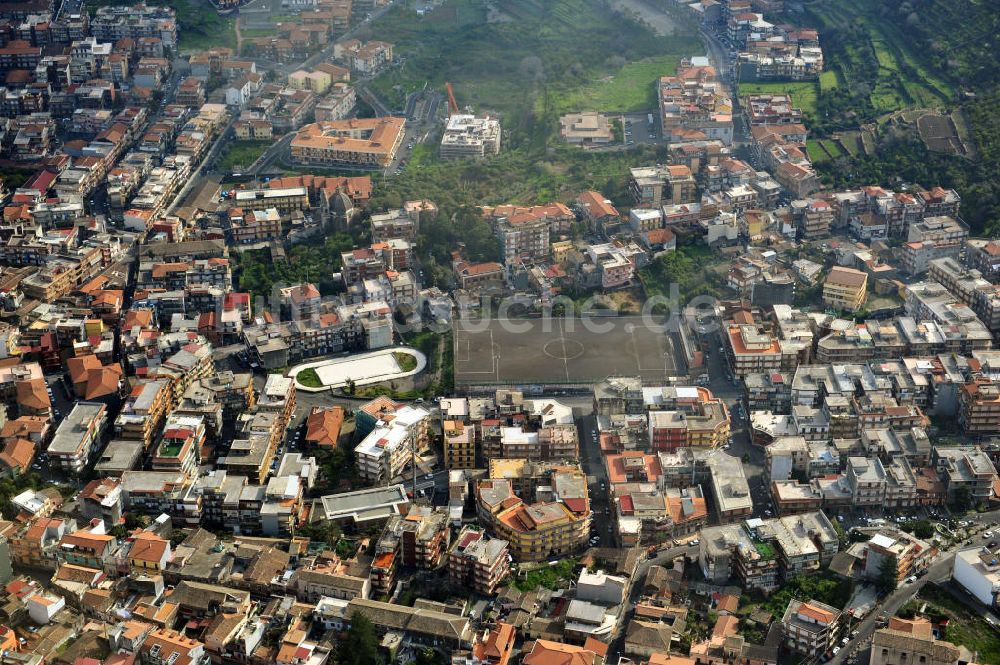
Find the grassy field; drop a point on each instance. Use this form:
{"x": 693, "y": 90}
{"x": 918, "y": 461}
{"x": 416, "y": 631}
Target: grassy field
{"x": 803, "y": 93}
{"x": 816, "y": 152}
{"x": 309, "y": 377}
{"x": 533, "y": 60}
{"x": 241, "y": 154}
{"x": 828, "y": 81}
{"x": 633, "y": 88}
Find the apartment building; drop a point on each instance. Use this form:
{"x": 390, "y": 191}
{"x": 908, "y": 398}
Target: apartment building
{"x": 752, "y": 350}
{"x": 285, "y": 200}
{"x": 910, "y": 554}
{"x": 421, "y": 539}
{"x": 78, "y": 437}
{"x": 965, "y": 470}
{"x": 468, "y": 136}
{"x": 979, "y": 407}
{"x": 933, "y": 238}
{"x": 867, "y": 480}
{"x": 695, "y": 104}
{"x": 459, "y": 445}
{"x": 845, "y": 289}
{"x": 656, "y": 186}
{"x": 478, "y": 562}
{"x": 154, "y": 493}
{"x": 557, "y": 524}
{"x": 810, "y": 627}
{"x": 525, "y": 231}
{"x": 357, "y": 143}
{"x": 143, "y": 412}
{"x": 388, "y": 449}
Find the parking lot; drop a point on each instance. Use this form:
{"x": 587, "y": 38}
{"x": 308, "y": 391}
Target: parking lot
{"x": 637, "y": 129}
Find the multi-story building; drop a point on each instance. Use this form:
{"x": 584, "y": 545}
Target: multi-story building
{"x": 933, "y": 238}
{"x": 389, "y": 448}
{"x": 810, "y": 627}
{"x": 890, "y": 546}
{"x": 459, "y": 445}
{"x": 78, "y": 436}
{"x": 470, "y": 136}
{"x": 656, "y": 186}
{"x": 477, "y": 562}
{"x": 556, "y": 525}
{"x": 845, "y": 289}
{"x": 525, "y": 231}
{"x": 168, "y": 647}
{"x": 364, "y": 143}
{"x": 967, "y": 471}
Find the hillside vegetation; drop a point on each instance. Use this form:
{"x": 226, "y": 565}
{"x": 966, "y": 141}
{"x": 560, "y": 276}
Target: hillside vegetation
{"x": 899, "y": 54}
{"x": 530, "y": 59}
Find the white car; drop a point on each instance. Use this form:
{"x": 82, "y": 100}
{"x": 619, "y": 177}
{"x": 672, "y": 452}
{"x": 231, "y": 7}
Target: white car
{"x": 836, "y": 650}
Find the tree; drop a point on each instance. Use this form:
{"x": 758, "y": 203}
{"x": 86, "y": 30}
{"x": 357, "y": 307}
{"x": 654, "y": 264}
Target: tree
{"x": 887, "y": 575}
{"x": 429, "y": 656}
{"x": 962, "y": 501}
{"x": 360, "y": 644}
{"x": 922, "y": 529}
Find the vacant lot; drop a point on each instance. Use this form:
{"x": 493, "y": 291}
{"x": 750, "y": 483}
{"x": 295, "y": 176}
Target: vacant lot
{"x": 241, "y": 154}
{"x": 939, "y": 134}
{"x": 521, "y": 352}
{"x": 546, "y": 58}
{"x": 631, "y": 89}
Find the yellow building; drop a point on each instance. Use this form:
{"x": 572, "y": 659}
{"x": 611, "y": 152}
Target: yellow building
{"x": 318, "y": 82}
{"x": 552, "y": 527}
{"x": 845, "y": 289}
{"x": 459, "y": 445}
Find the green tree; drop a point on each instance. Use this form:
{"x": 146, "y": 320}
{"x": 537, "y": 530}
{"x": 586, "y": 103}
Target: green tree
{"x": 360, "y": 644}
{"x": 962, "y": 500}
{"x": 887, "y": 575}
{"x": 921, "y": 529}
{"x": 429, "y": 656}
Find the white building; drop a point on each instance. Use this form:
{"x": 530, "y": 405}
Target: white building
{"x": 978, "y": 571}
{"x": 389, "y": 448}
{"x": 42, "y": 607}
{"x": 470, "y": 136}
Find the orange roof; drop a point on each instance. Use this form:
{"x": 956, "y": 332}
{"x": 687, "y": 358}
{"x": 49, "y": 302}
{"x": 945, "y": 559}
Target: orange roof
{"x": 545, "y": 652}
{"x": 816, "y": 613}
{"x": 846, "y": 277}
{"x": 32, "y": 394}
{"x": 727, "y": 602}
{"x": 382, "y": 135}
{"x": 87, "y": 539}
{"x": 323, "y": 426}
{"x": 148, "y": 547}
{"x": 79, "y": 367}
{"x": 725, "y": 626}
{"x": 918, "y": 627}
{"x": 597, "y": 205}
{"x": 103, "y": 382}
{"x": 497, "y": 646}
{"x": 17, "y": 454}
{"x": 670, "y": 659}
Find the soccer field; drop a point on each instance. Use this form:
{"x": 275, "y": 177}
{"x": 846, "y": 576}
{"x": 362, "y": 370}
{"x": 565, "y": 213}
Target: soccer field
{"x": 558, "y": 351}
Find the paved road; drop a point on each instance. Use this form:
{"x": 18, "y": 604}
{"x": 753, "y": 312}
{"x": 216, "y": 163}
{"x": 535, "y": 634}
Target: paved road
{"x": 616, "y": 647}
